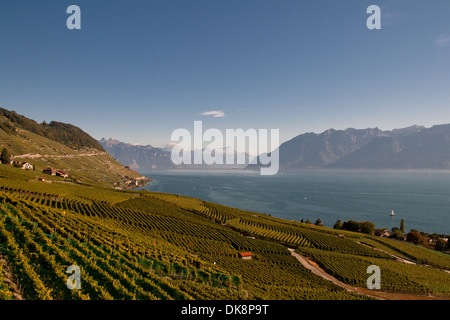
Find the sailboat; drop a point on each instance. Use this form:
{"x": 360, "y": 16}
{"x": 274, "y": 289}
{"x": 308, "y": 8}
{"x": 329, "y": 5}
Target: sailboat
{"x": 392, "y": 213}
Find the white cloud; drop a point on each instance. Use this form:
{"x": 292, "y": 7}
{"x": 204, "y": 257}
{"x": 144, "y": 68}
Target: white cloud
{"x": 442, "y": 41}
{"x": 215, "y": 114}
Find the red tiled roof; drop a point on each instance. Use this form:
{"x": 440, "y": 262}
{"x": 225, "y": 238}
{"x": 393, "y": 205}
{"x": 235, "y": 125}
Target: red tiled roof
{"x": 246, "y": 254}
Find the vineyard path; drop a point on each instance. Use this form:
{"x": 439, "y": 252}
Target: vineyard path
{"x": 316, "y": 269}
{"x": 9, "y": 279}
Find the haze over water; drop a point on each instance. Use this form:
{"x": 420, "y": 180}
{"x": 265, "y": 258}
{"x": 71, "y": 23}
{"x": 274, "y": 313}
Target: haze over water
{"x": 421, "y": 198}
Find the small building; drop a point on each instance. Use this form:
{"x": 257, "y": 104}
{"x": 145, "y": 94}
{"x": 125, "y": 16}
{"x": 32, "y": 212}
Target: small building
{"x": 341, "y": 235}
{"x": 49, "y": 171}
{"x": 27, "y": 166}
{"x": 55, "y": 172}
{"x": 384, "y": 233}
{"x": 61, "y": 173}
{"x": 246, "y": 255}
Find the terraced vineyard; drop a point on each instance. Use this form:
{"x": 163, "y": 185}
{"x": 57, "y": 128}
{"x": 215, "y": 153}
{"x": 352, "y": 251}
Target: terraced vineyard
{"x": 126, "y": 253}
{"x": 143, "y": 245}
{"x": 395, "y": 276}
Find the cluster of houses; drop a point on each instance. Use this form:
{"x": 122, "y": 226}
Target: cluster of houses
{"x": 136, "y": 182}
{"x": 19, "y": 164}
{"x": 28, "y": 166}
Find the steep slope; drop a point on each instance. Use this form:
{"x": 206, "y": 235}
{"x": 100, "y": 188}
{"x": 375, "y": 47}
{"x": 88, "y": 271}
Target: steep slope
{"x": 376, "y": 154}
{"x": 64, "y": 133}
{"x": 87, "y": 165}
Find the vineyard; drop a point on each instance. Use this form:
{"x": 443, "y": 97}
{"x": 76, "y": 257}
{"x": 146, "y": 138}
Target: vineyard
{"x": 139, "y": 245}
{"x": 395, "y": 276}
{"x": 125, "y": 253}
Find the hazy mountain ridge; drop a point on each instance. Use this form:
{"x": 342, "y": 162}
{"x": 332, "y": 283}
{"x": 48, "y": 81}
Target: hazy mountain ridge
{"x": 414, "y": 147}
{"x": 138, "y": 157}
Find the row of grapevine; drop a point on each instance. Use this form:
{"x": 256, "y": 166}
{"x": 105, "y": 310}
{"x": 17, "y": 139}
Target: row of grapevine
{"x": 331, "y": 242}
{"x": 417, "y": 253}
{"x": 29, "y": 280}
{"x": 216, "y": 213}
{"x": 120, "y": 278}
{"x": 282, "y": 234}
{"x": 395, "y": 276}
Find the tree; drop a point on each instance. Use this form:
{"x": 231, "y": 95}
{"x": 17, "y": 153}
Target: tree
{"x": 351, "y": 225}
{"x": 319, "y": 222}
{"x": 441, "y": 245}
{"x": 367, "y": 227}
{"x": 396, "y": 234}
{"x": 402, "y": 226}
{"x": 415, "y": 237}
{"x": 338, "y": 224}
{"x": 5, "y": 158}
{"x": 307, "y": 221}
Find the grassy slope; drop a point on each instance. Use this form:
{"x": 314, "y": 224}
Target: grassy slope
{"x": 88, "y": 165}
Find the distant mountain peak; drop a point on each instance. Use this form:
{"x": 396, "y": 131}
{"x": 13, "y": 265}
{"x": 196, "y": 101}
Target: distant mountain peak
{"x": 407, "y": 130}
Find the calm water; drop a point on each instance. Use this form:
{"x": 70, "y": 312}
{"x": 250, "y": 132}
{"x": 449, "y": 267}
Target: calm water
{"x": 422, "y": 199}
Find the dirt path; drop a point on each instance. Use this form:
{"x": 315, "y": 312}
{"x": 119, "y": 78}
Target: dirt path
{"x": 32, "y": 156}
{"x": 316, "y": 269}
{"x": 9, "y": 280}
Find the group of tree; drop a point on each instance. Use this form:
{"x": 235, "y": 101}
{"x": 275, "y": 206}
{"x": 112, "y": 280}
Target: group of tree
{"x": 317, "y": 223}
{"x": 432, "y": 241}
{"x": 352, "y": 225}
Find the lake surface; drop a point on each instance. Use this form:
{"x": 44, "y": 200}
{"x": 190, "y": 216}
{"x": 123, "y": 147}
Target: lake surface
{"x": 422, "y": 198}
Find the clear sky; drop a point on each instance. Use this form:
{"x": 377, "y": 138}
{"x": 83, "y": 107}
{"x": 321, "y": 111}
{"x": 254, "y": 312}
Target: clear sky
{"x": 137, "y": 70}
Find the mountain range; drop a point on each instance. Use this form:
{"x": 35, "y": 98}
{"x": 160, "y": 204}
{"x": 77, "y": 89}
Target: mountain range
{"x": 139, "y": 157}
{"x": 414, "y": 147}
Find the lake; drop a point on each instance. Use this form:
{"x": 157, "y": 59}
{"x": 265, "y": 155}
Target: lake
{"x": 421, "y": 198}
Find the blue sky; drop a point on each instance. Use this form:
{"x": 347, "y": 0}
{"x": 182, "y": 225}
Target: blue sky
{"x": 137, "y": 70}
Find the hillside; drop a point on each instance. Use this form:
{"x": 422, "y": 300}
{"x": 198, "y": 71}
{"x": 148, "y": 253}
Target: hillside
{"x": 144, "y": 245}
{"x": 64, "y": 133}
{"x": 86, "y": 164}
